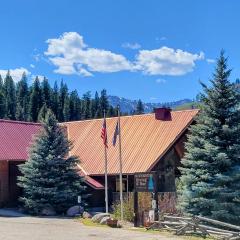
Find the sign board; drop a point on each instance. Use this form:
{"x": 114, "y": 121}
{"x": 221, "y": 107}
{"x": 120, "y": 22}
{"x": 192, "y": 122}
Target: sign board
{"x": 145, "y": 182}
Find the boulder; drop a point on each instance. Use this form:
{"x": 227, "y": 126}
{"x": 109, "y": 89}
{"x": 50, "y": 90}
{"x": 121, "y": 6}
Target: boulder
{"x": 75, "y": 210}
{"x": 98, "y": 217}
{"x": 104, "y": 220}
{"x": 48, "y": 211}
{"x": 86, "y": 215}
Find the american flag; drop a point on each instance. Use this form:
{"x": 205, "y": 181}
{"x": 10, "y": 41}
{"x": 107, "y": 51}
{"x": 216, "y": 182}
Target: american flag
{"x": 104, "y": 133}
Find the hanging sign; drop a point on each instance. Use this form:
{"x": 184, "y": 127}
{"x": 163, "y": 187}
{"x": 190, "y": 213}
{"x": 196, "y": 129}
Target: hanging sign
{"x": 145, "y": 182}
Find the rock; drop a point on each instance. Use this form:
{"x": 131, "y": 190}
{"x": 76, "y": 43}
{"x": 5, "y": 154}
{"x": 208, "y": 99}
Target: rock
{"x": 98, "y": 217}
{"x": 48, "y": 211}
{"x": 75, "y": 210}
{"x": 86, "y": 215}
{"x": 104, "y": 220}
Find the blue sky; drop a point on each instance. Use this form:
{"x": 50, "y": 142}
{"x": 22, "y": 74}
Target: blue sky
{"x": 150, "y": 49}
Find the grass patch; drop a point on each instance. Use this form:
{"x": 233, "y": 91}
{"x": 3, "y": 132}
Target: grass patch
{"x": 88, "y": 222}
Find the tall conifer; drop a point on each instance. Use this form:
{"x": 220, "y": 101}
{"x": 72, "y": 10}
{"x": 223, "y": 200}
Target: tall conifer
{"x": 210, "y": 181}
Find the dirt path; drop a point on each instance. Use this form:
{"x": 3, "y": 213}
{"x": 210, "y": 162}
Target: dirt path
{"x": 30, "y": 228}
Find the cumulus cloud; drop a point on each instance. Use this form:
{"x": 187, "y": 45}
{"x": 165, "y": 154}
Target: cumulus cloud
{"x": 209, "y": 60}
{"x": 166, "y": 61}
{"x": 71, "y": 55}
{"x": 16, "y": 73}
{"x": 40, "y": 77}
{"x": 131, "y": 45}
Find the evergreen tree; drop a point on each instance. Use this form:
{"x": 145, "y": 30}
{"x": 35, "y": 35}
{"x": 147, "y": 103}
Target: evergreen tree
{"x": 35, "y": 102}
{"x": 46, "y": 93}
{"x": 74, "y": 106}
{"x": 2, "y": 99}
{"x": 22, "y": 96}
{"x": 87, "y": 106}
{"x": 210, "y": 181}
{"x": 50, "y": 177}
{"x": 139, "y": 107}
{"x": 62, "y": 96}
{"x": 66, "y": 109}
{"x": 104, "y": 104}
{"x": 43, "y": 113}
{"x": 96, "y": 112}
{"x": 55, "y": 99}
{"x": 10, "y": 97}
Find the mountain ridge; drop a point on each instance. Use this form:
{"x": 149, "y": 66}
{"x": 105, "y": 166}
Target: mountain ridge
{"x": 128, "y": 106}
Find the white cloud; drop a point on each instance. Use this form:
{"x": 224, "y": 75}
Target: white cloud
{"x": 16, "y": 73}
{"x": 166, "y": 61}
{"x": 32, "y": 65}
{"x": 209, "y": 60}
{"x": 40, "y": 77}
{"x": 131, "y": 45}
{"x": 71, "y": 55}
{"x": 161, "y": 80}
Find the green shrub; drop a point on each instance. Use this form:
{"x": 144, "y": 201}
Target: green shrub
{"x": 128, "y": 211}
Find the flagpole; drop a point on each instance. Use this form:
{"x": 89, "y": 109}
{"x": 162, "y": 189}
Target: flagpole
{"x": 120, "y": 163}
{"x": 106, "y": 178}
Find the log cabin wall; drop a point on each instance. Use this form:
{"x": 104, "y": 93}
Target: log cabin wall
{"x": 4, "y": 182}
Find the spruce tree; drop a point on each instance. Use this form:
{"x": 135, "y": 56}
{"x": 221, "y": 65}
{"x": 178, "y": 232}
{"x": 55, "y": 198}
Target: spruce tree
{"x": 55, "y": 99}
{"x": 22, "y": 96}
{"x": 210, "y": 181}
{"x": 96, "y": 112}
{"x": 63, "y": 92}
{"x": 139, "y": 107}
{"x": 46, "y": 93}
{"x": 66, "y": 109}
{"x": 10, "y": 97}
{"x": 2, "y": 99}
{"x": 104, "y": 104}
{"x": 74, "y": 106}
{"x": 49, "y": 177}
{"x": 87, "y": 106}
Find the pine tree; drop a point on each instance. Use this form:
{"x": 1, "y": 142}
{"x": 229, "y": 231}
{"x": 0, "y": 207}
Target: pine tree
{"x": 22, "y": 96}
{"x": 210, "y": 181}
{"x": 66, "y": 109}
{"x": 139, "y": 107}
{"x": 50, "y": 177}
{"x": 96, "y": 112}
{"x": 55, "y": 99}
{"x": 87, "y": 106}
{"x": 10, "y": 97}
{"x": 35, "y": 102}
{"x": 2, "y": 99}
{"x": 46, "y": 93}
{"x": 62, "y": 96}
{"x": 104, "y": 104}
{"x": 74, "y": 106}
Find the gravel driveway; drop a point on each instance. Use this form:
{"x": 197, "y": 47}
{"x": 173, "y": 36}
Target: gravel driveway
{"x": 30, "y": 228}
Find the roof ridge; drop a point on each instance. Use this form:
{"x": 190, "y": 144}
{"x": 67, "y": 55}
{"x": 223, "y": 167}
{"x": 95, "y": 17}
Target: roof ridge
{"x": 136, "y": 115}
{"x": 19, "y": 122}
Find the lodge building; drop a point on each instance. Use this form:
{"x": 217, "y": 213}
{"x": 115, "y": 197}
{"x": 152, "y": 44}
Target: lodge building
{"x": 150, "y": 142}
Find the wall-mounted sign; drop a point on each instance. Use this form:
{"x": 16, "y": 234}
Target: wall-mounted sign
{"x": 145, "y": 182}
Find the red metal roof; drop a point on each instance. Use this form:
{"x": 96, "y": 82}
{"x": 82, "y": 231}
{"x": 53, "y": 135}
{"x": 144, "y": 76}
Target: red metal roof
{"x": 15, "y": 138}
{"x": 144, "y": 141}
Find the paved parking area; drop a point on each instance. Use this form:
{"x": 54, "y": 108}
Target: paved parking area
{"x": 30, "y": 228}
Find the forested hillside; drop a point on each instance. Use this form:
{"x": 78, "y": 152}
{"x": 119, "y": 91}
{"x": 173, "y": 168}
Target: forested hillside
{"x": 20, "y": 101}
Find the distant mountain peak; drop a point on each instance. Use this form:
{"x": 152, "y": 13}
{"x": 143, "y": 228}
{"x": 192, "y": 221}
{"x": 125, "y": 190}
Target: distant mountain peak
{"x": 129, "y": 106}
